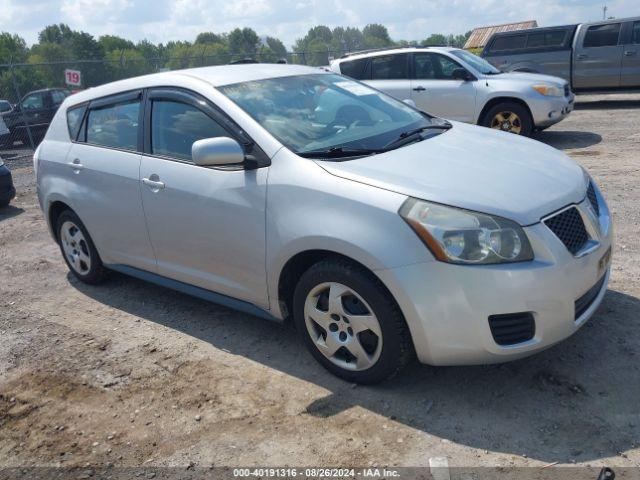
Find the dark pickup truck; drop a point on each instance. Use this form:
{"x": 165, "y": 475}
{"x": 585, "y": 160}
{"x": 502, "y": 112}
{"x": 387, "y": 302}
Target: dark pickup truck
{"x": 36, "y": 110}
{"x": 599, "y": 56}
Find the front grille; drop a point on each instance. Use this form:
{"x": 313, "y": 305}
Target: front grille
{"x": 567, "y": 90}
{"x": 512, "y": 328}
{"x": 593, "y": 200}
{"x": 569, "y": 228}
{"x": 585, "y": 301}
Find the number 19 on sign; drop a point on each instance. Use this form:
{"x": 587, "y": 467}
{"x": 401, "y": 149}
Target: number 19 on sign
{"x": 73, "y": 77}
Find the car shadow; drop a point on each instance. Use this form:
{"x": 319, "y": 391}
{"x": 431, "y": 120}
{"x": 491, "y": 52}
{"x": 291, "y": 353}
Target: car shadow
{"x": 566, "y": 140}
{"x": 10, "y": 211}
{"x": 553, "y": 406}
{"x": 607, "y": 104}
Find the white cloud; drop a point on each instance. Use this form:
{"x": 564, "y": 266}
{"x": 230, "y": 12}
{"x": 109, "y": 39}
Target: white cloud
{"x": 164, "y": 20}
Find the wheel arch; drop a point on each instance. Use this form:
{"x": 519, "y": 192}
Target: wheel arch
{"x": 56, "y": 208}
{"x": 502, "y": 99}
{"x": 299, "y": 263}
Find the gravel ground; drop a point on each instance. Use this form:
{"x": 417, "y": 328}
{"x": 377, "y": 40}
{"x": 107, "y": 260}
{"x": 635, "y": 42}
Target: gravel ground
{"x": 130, "y": 374}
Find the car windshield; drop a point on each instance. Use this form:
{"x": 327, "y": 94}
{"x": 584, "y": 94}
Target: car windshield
{"x": 4, "y": 106}
{"x": 327, "y": 113}
{"x": 480, "y": 64}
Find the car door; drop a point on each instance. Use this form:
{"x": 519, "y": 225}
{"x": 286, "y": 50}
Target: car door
{"x": 435, "y": 91}
{"x": 390, "y": 74}
{"x": 102, "y": 173}
{"x": 598, "y": 57}
{"x": 630, "y": 75}
{"x": 206, "y": 224}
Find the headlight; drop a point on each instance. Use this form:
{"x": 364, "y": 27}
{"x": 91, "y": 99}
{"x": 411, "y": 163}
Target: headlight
{"x": 461, "y": 236}
{"x": 549, "y": 90}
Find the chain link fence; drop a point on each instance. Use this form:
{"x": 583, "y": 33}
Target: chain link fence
{"x": 30, "y": 93}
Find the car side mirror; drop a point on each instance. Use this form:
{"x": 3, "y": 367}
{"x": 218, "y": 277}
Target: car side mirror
{"x": 210, "y": 152}
{"x": 461, "y": 74}
{"x": 410, "y": 102}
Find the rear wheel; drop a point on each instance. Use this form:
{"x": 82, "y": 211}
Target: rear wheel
{"x": 350, "y": 323}
{"x": 509, "y": 117}
{"x": 78, "y": 249}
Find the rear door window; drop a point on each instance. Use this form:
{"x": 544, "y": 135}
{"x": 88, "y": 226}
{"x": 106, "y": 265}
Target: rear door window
{"x": 509, "y": 42}
{"x": 175, "y": 126}
{"x": 602, "y": 35}
{"x": 389, "y": 67}
{"x": 114, "y": 125}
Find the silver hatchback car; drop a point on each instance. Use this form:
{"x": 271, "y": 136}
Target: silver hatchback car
{"x": 290, "y": 192}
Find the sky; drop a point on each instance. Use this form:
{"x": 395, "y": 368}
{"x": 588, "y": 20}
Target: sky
{"x": 165, "y": 20}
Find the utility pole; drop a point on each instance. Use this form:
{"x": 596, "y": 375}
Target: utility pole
{"x": 604, "y": 12}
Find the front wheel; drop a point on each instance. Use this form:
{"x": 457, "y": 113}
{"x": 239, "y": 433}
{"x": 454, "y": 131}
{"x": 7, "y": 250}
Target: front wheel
{"x": 509, "y": 117}
{"x": 350, "y": 323}
{"x": 78, "y": 250}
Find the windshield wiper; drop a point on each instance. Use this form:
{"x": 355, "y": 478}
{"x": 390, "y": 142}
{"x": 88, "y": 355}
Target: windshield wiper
{"x": 412, "y": 135}
{"x": 339, "y": 152}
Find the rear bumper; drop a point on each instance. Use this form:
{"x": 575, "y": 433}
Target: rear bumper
{"x": 547, "y": 111}
{"x": 447, "y": 307}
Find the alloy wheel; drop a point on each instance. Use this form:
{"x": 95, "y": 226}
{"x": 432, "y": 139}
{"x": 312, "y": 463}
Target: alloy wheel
{"x": 343, "y": 326}
{"x": 507, "y": 122}
{"x": 75, "y": 247}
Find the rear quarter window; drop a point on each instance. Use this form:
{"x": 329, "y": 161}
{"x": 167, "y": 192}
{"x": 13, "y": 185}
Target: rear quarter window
{"x": 354, "y": 68}
{"x": 74, "y": 120}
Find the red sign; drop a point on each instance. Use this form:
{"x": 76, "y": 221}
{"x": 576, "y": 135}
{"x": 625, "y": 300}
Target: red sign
{"x": 73, "y": 77}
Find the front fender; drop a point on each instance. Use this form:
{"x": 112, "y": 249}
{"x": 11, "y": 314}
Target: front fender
{"x": 338, "y": 215}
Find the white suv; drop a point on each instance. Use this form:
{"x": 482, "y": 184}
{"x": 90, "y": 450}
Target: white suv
{"x": 458, "y": 85}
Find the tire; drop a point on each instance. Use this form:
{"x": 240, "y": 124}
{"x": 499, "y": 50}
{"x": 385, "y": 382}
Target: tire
{"x": 366, "y": 319}
{"x": 516, "y": 118}
{"x": 78, "y": 250}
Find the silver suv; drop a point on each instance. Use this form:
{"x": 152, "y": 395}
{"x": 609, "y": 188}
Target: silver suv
{"x": 288, "y": 192}
{"x": 458, "y": 85}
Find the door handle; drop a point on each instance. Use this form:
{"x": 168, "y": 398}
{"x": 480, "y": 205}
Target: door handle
{"x": 419, "y": 89}
{"x": 153, "y": 183}
{"x": 76, "y": 166}
{"x": 582, "y": 56}
{"x": 629, "y": 53}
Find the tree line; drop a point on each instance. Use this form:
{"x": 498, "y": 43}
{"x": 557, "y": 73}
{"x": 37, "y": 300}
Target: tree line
{"x": 110, "y": 57}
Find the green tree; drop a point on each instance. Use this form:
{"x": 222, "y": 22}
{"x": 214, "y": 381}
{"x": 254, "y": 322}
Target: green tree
{"x": 376, "y": 36}
{"x": 435, "y": 39}
{"x": 12, "y": 48}
{"x": 243, "y": 41}
{"x": 109, "y": 43}
{"x": 209, "y": 37}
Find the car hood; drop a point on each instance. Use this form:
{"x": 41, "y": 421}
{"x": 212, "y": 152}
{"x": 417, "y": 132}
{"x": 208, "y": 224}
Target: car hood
{"x": 475, "y": 168}
{"x": 529, "y": 78}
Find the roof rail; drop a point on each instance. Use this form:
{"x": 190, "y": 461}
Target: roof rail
{"x": 371, "y": 50}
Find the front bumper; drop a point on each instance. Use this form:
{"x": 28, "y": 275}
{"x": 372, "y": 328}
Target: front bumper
{"x": 447, "y": 306}
{"x": 7, "y": 190}
{"x": 547, "y": 111}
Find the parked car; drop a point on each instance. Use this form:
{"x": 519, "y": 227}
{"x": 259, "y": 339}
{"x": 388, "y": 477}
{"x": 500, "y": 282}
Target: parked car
{"x": 5, "y": 107}
{"x": 7, "y": 190}
{"x": 593, "y": 57}
{"x": 458, "y": 85}
{"x": 36, "y": 109}
{"x": 380, "y": 231}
